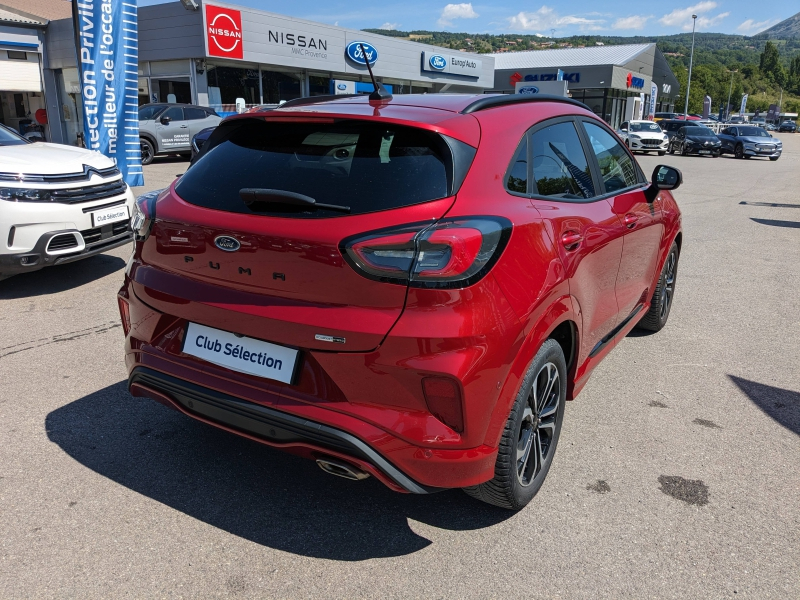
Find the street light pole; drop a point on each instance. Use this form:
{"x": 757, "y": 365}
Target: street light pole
{"x": 730, "y": 89}
{"x": 689, "y": 82}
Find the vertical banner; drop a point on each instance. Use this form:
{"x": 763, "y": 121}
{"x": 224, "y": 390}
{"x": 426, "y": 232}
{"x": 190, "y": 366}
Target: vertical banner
{"x": 641, "y": 106}
{"x": 107, "y": 42}
{"x": 653, "y": 96}
{"x": 743, "y": 107}
{"x": 706, "y": 106}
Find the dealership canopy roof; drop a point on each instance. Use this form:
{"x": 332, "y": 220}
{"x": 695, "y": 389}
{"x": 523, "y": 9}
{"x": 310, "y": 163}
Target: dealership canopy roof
{"x": 7, "y": 15}
{"x": 570, "y": 57}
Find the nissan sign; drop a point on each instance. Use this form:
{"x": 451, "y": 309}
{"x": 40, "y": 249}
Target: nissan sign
{"x": 224, "y": 32}
{"x": 354, "y": 53}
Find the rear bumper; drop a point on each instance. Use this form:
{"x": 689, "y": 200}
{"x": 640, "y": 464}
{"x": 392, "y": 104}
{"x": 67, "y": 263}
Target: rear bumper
{"x": 267, "y": 425}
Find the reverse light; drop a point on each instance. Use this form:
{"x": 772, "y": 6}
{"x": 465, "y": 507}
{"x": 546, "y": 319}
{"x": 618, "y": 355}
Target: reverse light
{"x": 451, "y": 253}
{"x": 443, "y": 397}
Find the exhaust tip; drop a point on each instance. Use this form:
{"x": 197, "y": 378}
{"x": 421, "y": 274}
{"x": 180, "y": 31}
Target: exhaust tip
{"x": 341, "y": 469}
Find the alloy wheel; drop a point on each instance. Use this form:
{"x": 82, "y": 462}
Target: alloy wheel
{"x": 538, "y": 424}
{"x": 739, "y": 152}
{"x": 669, "y": 284}
{"x": 147, "y": 154}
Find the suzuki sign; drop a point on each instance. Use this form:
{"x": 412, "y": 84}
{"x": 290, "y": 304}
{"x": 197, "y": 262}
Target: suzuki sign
{"x": 224, "y": 32}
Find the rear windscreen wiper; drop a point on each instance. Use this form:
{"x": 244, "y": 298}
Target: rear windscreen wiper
{"x": 255, "y": 196}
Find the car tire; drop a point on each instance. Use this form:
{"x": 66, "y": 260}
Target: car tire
{"x": 529, "y": 439}
{"x": 684, "y": 151}
{"x": 738, "y": 152}
{"x": 661, "y": 304}
{"x": 661, "y": 153}
{"x": 670, "y": 149}
{"x": 148, "y": 152}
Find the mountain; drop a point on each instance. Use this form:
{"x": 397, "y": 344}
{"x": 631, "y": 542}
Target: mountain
{"x": 788, "y": 28}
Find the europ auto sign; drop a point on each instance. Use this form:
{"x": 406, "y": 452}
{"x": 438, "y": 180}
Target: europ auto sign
{"x": 224, "y": 32}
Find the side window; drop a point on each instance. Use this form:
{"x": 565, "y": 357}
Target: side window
{"x": 624, "y": 126}
{"x": 175, "y": 113}
{"x": 517, "y": 181}
{"x": 192, "y": 114}
{"x": 560, "y": 168}
{"x": 616, "y": 165}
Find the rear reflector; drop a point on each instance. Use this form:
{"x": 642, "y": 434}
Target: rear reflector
{"x": 443, "y": 397}
{"x": 125, "y": 314}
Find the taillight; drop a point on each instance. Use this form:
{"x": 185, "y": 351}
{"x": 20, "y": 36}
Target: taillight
{"x": 451, "y": 253}
{"x": 443, "y": 397}
{"x": 144, "y": 213}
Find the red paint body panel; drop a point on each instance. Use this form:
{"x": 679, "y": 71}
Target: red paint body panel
{"x": 481, "y": 336}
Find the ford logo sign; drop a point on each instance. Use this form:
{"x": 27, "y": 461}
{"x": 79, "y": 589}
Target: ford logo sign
{"x": 528, "y": 89}
{"x": 227, "y": 243}
{"x": 438, "y": 62}
{"x": 341, "y": 86}
{"x": 354, "y": 53}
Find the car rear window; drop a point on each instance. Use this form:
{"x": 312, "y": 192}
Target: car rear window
{"x": 363, "y": 165}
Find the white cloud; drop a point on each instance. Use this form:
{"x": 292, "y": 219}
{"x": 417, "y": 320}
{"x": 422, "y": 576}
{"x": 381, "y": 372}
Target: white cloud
{"x": 683, "y": 16}
{"x": 632, "y": 22}
{"x": 456, "y": 11}
{"x": 389, "y": 26}
{"x": 750, "y": 25}
{"x": 547, "y": 18}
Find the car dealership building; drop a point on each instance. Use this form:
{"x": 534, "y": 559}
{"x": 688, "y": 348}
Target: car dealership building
{"x": 218, "y": 54}
{"x": 614, "y": 81}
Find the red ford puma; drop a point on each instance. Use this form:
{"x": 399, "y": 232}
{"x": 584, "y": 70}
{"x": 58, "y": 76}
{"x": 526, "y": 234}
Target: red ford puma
{"x": 407, "y": 288}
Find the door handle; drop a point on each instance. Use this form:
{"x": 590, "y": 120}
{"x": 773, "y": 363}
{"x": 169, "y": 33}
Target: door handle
{"x": 184, "y": 126}
{"x": 630, "y": 220}
{"x": 571, "y": 239}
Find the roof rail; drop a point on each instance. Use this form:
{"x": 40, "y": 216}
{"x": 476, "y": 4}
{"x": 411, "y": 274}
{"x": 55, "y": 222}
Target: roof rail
{"x": 315, "y": 99}
{"x": 503, "y": 99}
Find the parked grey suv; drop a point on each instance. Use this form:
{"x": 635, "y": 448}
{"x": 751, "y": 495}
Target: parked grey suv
{"x": 169, "y": 128}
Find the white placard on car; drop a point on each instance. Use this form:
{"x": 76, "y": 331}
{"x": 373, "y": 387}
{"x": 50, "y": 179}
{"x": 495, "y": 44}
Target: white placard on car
{"x": 109, "y": 215}
{"x": 243, "y": 354}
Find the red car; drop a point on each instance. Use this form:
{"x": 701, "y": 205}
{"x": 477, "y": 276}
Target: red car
{"x": 407, "y": 288}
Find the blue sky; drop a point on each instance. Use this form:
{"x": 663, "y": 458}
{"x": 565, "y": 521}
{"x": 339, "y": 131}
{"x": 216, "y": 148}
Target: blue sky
{"x": 566, "y": 17}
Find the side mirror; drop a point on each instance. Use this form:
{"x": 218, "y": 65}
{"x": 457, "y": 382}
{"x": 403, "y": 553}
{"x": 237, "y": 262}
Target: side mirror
{"x": 664, "y": 178}
{"x": 165, "y": 120}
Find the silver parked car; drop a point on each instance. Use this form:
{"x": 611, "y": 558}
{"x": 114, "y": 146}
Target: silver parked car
{"x": 169, "y": 128}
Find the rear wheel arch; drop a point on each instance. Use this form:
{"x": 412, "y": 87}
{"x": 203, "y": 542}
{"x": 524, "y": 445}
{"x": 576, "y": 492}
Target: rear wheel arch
{"x": 559, "y": 323}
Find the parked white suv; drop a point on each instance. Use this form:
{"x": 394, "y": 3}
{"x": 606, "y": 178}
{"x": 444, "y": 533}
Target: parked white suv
{"x": 57, "y": 204}
{"x": 644, "y": 136}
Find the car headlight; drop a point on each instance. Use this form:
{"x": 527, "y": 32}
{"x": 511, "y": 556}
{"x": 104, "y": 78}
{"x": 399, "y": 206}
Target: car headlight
{"x": 633, "y": 136}
{"x": 25, "y": 195}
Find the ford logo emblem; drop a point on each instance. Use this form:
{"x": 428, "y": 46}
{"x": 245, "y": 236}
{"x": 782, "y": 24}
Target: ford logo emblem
{"x": 354, "y": 53}
{"x": 227, "y": 243}
{"x": 528, "y": 89}
{"x": 438, "y": 62}
{"x": 341, "y": 86}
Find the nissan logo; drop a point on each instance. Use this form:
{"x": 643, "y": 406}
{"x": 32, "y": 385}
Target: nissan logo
{"x": 227, "y": 243}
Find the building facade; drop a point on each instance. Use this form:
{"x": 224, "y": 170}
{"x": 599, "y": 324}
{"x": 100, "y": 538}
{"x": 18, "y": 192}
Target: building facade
{"x": 612, "y": 80}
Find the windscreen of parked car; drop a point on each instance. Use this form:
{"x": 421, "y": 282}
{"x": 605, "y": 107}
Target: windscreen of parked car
{"x": 645, "y": 127}
{"x": 148, "y": 113}
{"x": 10, "y": 138}
{"x": 752, "y": 132}
{"x": 363, "y": 165}
{"x": 699, "y": 131}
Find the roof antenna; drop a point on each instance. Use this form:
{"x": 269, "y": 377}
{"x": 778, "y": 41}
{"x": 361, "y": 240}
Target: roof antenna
{"x": 380, "y": 92}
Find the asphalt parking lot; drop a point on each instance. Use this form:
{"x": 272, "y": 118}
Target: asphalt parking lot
{"x": 676, "y": 476}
